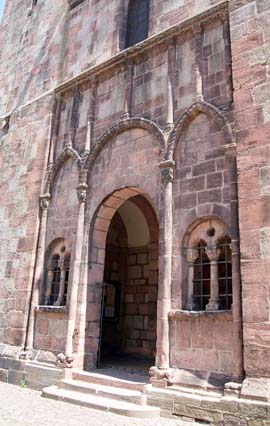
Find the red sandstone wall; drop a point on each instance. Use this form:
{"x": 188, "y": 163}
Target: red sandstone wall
{"x": 50, "y": 331}
{"x": 200, "y": 188}
{"x": 50, "y": 48}
{"x": 250, "y": 36}
{"x": 202, "y": 342}
{"x": 23, "y": 157}
{"x": 63, "y": 209}
{"x": 49, "y": 43}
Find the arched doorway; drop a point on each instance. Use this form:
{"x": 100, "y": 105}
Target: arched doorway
{"x": 128, "y": 299}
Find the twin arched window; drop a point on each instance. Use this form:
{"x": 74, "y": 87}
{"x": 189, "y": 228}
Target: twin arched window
{"x": 208, "y": 256}
{"x": 57, "y": 273}
{"x": 137, "y": 22}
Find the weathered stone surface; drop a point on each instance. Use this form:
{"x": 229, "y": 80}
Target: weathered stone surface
{"x": 143, "y": 131}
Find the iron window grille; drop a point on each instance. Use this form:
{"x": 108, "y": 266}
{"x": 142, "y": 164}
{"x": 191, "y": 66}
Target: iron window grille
{"x": 225, "y": 274}
{"x": 202, "y": 278}
{"x": 55, "y": 269}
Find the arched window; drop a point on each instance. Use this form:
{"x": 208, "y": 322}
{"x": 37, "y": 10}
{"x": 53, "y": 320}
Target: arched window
{"x": 137, "y": 22}
{"x": 57, "y": 265}
{"x": 208, "y": 266}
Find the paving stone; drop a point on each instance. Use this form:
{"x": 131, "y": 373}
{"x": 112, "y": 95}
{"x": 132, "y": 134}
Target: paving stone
{"x": 25, "y": 406}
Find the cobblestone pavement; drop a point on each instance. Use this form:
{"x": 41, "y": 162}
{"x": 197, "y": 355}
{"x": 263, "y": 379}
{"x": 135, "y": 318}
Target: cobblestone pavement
{"x": 22, "y": 406}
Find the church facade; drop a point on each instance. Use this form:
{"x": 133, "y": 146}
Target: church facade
{"x": 135, "y": 195}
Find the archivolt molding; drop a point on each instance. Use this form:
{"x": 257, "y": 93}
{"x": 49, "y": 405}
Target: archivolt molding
{"x": 67, "y": 153}
{"x": 198, "y": 230}
{"x": 189, "y": 115}
{"x": 120, "y": 127}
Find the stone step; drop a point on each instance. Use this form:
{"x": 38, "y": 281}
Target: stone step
{"x": 112, "y": 392}
{"x": 128, "y": 381}
{"x": 101, "y": 403}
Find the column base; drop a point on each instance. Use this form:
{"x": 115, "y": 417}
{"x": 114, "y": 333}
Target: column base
{"x": 213, "y": 305}
{"x": 26, "y": 355}
{"x": 64, "y": 361}
{"x": 161, "y": 377}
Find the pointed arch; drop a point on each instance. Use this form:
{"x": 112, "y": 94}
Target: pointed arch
{"x": 121, "y": 127}
{"x": 67, "y": 153}
{"x": 189, "y": 115}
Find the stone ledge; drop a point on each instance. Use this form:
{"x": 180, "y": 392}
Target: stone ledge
{"x": 52, "y": 309}
{"x": 217, "y": 409}
{"x": 179, "y": 314}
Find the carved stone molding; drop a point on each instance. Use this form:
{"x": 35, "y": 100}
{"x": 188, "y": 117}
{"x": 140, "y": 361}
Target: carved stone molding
{"x": 54, "y": 169}
{"x": 120, "y": 127}
{"x": 45, "y": 201}
{"x": 167, "y": 171}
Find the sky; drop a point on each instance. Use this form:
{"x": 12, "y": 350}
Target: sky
{"x": 2, "y": 3}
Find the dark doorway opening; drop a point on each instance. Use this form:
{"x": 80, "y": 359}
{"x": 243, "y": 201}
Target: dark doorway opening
{"x": 128, "y": 323}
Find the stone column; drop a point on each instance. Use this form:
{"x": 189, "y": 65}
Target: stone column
{"x": 61, "y": 292}
{"x": 230, "y": 151}
{"x": 164, "y": 285}
{"x": 49, "y": 287}
{"x": 213, "y": 253}
{"x": 91, "y": 118}
{"x": 191, "y": 256}
{"x": 38, "y": 274}
{"x": 56, "y": 116}
{"x": 81, "y": 190}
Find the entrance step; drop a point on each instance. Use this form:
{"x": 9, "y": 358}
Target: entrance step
{"x": 80, "y": 396}
{"x": 116, "y": 379}
{"x": 117, "y": 393}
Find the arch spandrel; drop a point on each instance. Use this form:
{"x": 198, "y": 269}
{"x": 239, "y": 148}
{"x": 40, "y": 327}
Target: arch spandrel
{"x": 67, "y": 153}
{"x": 187, "y": 118}
{"x": 121, "y": 127}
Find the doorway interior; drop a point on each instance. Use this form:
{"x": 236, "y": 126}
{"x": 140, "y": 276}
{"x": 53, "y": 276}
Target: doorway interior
{"x": 129, "y": 302}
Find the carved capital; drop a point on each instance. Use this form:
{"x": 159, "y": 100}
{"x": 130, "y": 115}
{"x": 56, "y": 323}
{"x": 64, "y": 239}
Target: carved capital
{"x": 82, "y": 192}
{"x": 223, "y": 15}
{"x": 4, "y": 125}
{"x": 230, "y": 151}
{"x": 44, "y": 201}
{"x": 192, "y": 255}
{"x": 213, "y": 252}
{"x": 196, "y": 28}
{"x": 167, "y": 171}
